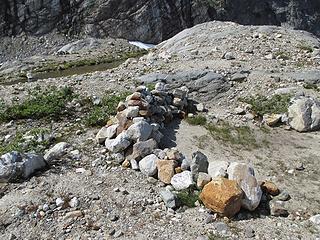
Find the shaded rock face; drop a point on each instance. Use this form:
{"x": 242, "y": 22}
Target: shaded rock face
{"x": 149, "y": 20}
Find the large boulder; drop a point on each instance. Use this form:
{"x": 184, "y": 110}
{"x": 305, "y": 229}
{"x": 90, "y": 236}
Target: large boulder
{"x": 15, "y": 166}
{"x": 139, "y": 131}
{"x": 304, "y": 114}
{"x": 142, "y": 149}
{"x": 119, "y": 144}
{"x": 244, "y": 176}
{"x": 222, "y": 196}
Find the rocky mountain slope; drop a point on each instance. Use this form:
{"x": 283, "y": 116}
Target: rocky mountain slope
{"x": 152, "y": 20}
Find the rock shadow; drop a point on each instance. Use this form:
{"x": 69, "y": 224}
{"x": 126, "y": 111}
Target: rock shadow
{"x": 169, "y": 134}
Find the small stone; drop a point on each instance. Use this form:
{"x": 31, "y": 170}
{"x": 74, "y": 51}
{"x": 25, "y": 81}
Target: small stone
{"x": 59, "y": 202}
{"x": 56, "y": 152}
{"x": 272, "y": 119}
{"x": 238, "y": 77}
{"x": 182, "y": 180}
{"x": 112, "y": 232}
{"x": 74, "y": 214}
{"x": 278, "y": 208}
{"x": 45, "y": 207}
{"x": 200, "y": 107}
{"x": 113, "y": 217}
{"x": 74, "y": 202}
{"x": 249, "y": 232}
{"x": 229, "y": 56}
{"x": 121, "y": 106}
{"x": 315, "y": 219}
{"x": 132, "y": 112}
{"x": 160, "y": 86}
{"x": 134, "y": 164}
{"x": 120, "y": 143}
{"x": 144, "y": 148}
{"x": 270, "y": 188}
{"x": 239, "y": 111}
{"x": 203, "y": 179}
{"x": 283, "y": 196}
{"x": 199, "y": 163}
{"x": 126, "y": 163}
{"x": 139, "y": 131}
{"x": 118, "y": 234}
{"x": 169, "y": 199}
{"x": 165, "y": 170}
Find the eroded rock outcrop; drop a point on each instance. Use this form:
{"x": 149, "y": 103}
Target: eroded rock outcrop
{"x": 149, "y": 21}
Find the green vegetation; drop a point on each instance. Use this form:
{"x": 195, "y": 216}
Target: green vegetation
{"x": 197, "y": 120}
{"x": 35, "y": 141}
{"x": 242, "y": 135}
{"x": 188, "y": 197}
{"x": 305, "y": 47}
{"x": 39, "y": 105}
{"x": 225, "y": 132}
{"x": 98, "y": 115}
{"x": 282, "y": 55}
{"x": 261, "y": 105}
{"x": 151, "y": 86}
{"x": 311, "y": 86}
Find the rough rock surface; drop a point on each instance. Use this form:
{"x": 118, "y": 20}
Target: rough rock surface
{"x": 56, "y": 152}
{"x": 304, "y": 114}
{"x": 15, "y": 166}
{"x": 222, "y": 196}
{"x": 182, "y": 180}
{"x": 126, "y": 19}
{"x": 148, "y": 165}
{"x": 165, "y": 170}
{"x": 218, "y": 168}
{"x": 244, "y": 176}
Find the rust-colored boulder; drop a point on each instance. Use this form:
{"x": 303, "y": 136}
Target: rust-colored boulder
{"x": 222, "y": 196}
{"x": 165, "y": 170}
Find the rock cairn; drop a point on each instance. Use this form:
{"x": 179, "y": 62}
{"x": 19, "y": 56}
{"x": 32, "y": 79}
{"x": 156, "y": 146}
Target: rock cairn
{"x": 133, "y": 137}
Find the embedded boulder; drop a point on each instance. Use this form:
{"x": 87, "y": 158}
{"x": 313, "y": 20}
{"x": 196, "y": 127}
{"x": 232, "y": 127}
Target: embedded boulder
{"x": 304, "y": 114}
{"x": 15, "y": 166}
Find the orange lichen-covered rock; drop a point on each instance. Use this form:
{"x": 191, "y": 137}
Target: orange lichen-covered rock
{"x": 222, "y": 196}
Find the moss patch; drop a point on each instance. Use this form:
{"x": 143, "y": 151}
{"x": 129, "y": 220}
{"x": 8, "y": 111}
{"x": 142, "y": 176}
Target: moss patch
{"x": 267, "y": 105}
{"x": 39, "y": 105}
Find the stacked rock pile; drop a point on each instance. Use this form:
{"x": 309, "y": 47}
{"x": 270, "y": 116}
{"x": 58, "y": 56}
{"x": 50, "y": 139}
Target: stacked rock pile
{"x": 132, "y": 139}
{"x": 133, "y": 136}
